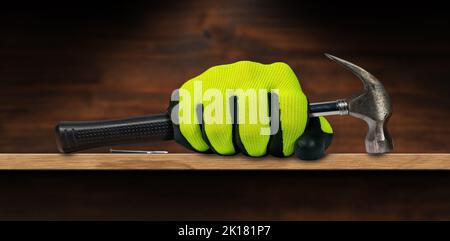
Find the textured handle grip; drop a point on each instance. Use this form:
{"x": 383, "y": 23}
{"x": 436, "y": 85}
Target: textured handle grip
{"x": 74, "y": 136}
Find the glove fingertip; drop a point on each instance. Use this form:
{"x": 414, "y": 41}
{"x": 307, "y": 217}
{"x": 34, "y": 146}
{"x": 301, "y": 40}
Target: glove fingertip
{"x": 325, "y": 125}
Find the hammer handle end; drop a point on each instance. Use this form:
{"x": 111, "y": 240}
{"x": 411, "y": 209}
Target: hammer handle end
{"x": 72, "y": 136}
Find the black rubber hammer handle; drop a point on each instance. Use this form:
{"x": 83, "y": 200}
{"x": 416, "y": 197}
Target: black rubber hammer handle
{"x": 72, "y": 136}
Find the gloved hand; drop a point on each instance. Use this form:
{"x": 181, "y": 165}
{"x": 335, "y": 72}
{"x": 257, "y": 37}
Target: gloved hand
{"x": 215, "y": 113}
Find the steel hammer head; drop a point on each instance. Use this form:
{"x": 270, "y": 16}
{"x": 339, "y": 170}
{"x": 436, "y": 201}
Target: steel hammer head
{"x": 373, "y": 105}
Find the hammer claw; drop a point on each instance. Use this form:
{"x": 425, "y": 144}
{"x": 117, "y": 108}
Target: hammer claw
{"x": 373, "y": 106}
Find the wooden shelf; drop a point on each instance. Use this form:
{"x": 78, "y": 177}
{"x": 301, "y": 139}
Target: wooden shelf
{"x": 212, "y": 162}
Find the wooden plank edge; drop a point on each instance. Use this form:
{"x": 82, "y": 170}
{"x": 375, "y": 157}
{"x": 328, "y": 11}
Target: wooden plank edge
{"x": 350, "y": 161}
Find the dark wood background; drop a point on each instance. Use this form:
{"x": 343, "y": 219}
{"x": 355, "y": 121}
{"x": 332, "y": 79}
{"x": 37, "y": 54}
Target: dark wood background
{"x": 102, "y": 60}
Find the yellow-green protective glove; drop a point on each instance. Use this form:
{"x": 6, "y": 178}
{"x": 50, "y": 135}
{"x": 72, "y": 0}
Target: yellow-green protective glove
{"x": 216, "y": 112}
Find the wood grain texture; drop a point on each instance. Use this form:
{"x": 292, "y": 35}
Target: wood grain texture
{"x": 211, "y": 162}
{"x": 103, "y": 60}
{"x": 88, "y": 60}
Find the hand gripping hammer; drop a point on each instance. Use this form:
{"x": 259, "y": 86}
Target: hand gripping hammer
{"x": 373, "y": 105}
